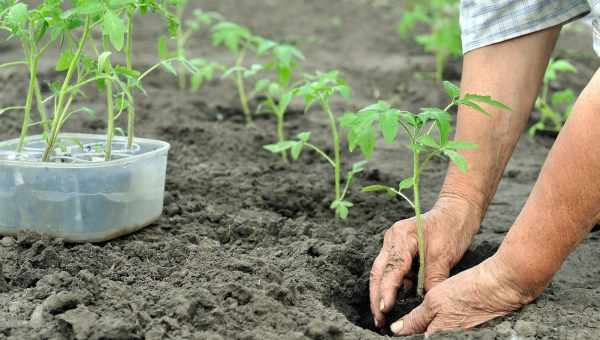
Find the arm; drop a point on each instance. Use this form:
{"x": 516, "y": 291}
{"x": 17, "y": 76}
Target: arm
{"x": 565, "y": 202}
{"x": 512, "y": 73}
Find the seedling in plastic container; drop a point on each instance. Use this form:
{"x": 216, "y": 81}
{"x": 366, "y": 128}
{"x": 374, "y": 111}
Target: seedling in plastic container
{"x": 184, "y": 31}
{"x": 554, "y": 107}
{"x": 278, "y": 93}
{"x": 319, "y": 89}
{"x": 36, "y": 29}
{"x": 239, "y": 41}
{"x": 443, "y": 36}
{"x": 428, "y": 134}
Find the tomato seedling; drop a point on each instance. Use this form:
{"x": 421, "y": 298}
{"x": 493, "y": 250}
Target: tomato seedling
{"x": 239, "y": 41}
{"x": 554, "y": 107}
{"x": 443, "y": 37}
{"x": 185, "y": 30}
{"x": 428, "y": 134}
{"x": 31, "y": 27}
{"x": 284, "y": 60}
{"x": 319, "y": 89}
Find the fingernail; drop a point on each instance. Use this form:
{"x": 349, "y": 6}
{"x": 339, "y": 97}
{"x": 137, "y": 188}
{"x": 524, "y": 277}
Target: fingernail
{"x": 376, "y": 323}
{"x": 382, "y": 306}
{"x": 397, "y": 327}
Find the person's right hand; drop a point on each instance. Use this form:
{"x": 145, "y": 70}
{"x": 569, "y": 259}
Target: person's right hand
{"x": 449, "y": 229}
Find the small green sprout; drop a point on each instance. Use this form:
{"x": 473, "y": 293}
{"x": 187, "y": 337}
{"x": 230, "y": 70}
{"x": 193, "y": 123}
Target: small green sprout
{"x": 239, "y": 41}
{"x": 443, "y": 38}
{"x": 428, "y": 135}
{"x": 184, "y": 31}
{"x": 278, "y": 93}
{"x": 555, "y": 107}
{"x": 319, "y": 89}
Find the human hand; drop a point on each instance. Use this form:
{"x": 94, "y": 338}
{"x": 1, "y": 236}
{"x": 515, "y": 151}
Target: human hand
{"x": 484, "y": 292}
{"x": 449, "y": 229}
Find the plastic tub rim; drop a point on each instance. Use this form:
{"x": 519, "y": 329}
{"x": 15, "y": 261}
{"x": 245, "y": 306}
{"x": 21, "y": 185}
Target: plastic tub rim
{"x": 163, "y": 147}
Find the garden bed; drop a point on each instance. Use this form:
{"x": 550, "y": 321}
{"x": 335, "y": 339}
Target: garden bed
{"x": 247, "y": 247}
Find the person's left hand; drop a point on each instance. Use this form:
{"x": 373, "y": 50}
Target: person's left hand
{"x": 466, "y": 300}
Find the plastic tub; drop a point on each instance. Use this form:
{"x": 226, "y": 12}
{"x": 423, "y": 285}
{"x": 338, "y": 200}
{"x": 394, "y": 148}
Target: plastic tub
{"x": 78, "y": 196}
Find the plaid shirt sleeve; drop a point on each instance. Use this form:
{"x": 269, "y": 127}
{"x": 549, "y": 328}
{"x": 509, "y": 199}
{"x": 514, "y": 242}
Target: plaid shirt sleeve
{"x": 486, "y": 22}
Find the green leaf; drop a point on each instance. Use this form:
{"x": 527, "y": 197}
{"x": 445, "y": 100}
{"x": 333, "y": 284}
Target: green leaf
{"x": 17, "y": 17}
{"x": 163, "y": 48}
{"x": 406, "y": 183}
{"x": 64, "y": 61}
{"x": 114, "y": 27}
{"x": 366, "y": 142}
{"x": 358, "y": 167}
{"x": 391, "y": 192}
{"x": 388, "y": 123}
{"x": 563, "y": 97}
{"x": 104, "y": 62}
{"x": 261, "y": 85}
{"x": 452, "y": 90}
{"x": 457, "y": 159}
{"x": 304, "y": 136}
{"x": 167, "y": 65}
{"x": 296, "y": 150}
{"x": 280, "y": 147}
{"x": 341, "y": 208}
{"x": 460, "y": 145}
{"x": 376, "y": 188}
{"x": 485, "y": 100}
{"x": 427, "y": 140}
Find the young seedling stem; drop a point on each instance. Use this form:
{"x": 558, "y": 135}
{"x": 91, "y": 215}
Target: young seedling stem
{"x": 110, "y": 117}
{"x": 28, "y": 104}
{"x": 60, "y": 108}
{"x": 336, "y": 147}
{"x": 129, "y": 65}
{"x": 239, "y": 79}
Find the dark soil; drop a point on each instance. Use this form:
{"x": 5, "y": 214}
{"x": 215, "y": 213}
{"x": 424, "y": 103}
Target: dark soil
{"x": 247, "y": 247}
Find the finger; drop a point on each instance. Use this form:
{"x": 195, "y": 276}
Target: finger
{"x": 374, "y": 284}
{"x": 435, "y": 274}
{"x": 397, "y": 266}
{"x": 415, "y": 322}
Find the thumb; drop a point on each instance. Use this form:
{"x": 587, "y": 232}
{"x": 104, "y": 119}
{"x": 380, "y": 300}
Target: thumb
{"x": 415, "y": 322}
{"x": 434, "y": 275}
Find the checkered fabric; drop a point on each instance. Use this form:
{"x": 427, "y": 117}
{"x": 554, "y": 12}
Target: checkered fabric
{"x": 486, "y": 22}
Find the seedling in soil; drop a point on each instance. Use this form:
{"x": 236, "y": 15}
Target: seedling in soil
{"x": 554, "y": 107}
{"x": 319, "y": 89}
{"x": 428, "y": 134}
{"x": 239, "y": 41}
{"x": 200, "y": 21}
{"x": 278, "y": 93}
{"x": 443, "y": 37}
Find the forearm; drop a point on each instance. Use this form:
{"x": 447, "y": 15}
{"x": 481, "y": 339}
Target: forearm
{"x": 565, "y": 202}
{"x": 510, "y": 72}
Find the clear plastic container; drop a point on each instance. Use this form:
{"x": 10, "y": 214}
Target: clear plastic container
{"x": 78, "y": 196}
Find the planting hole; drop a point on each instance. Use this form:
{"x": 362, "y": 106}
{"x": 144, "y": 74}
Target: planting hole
{"x": 355, "y": 305}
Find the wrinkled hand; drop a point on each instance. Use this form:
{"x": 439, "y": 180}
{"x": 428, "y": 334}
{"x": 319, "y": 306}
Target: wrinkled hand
{"x": 449, "y": 229}
{"x": 466, "y": 300}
